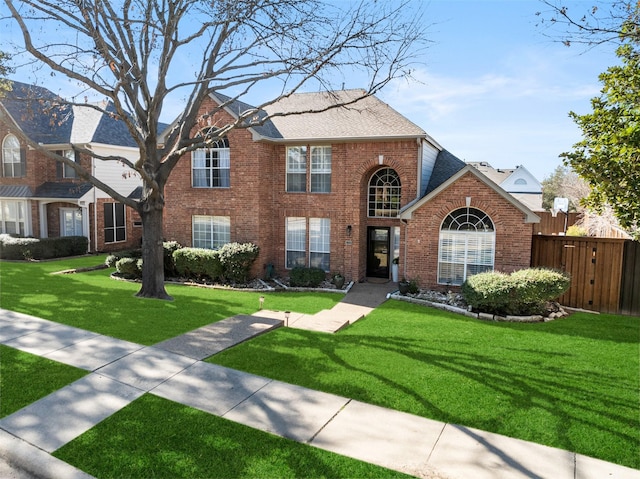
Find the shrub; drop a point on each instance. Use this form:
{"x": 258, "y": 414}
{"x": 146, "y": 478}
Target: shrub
{"x": 237, "y": 259}
{"x": 575, "y": 230}
{"x": 169, "y": 247}
{"x": 44, "y": 248}
{"x": 198, "y": 263}
{"x": 129, "y": 267}
{"x": 306, "y": 277}
{"x": 524, "y": 292}
{"x": 488, "y": 292}
{"x": 113, "y": 257}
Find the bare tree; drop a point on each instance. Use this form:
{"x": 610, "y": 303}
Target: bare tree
{"x": 133, "y": 52}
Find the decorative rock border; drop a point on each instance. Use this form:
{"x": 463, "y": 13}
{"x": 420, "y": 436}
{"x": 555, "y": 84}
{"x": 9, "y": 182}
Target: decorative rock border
{"x": 475, "y": 315}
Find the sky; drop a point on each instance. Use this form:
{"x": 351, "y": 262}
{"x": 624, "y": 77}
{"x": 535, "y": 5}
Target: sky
{"x": 490, "y": 87}
{"x": 494, "y": 88}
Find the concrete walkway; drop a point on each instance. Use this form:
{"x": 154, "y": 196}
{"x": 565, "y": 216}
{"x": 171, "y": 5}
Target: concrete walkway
{"x": 121, "y": 371}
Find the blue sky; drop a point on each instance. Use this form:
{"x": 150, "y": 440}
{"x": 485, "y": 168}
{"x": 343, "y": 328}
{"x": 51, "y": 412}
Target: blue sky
{"x": 491, "y": 87}
{"x": 495, "y": 89}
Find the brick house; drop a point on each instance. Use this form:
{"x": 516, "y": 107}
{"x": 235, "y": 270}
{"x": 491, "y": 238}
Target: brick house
{"x": 347, "y": 190}
{"x": 42, "y": 198}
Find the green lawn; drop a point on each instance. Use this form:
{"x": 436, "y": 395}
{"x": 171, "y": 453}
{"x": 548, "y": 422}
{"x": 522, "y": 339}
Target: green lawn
{"x": 95, "y": 302}
{"x": 157, "y": 438}
{"x": 572, "y": 383}
{"x": 25, "y": 378}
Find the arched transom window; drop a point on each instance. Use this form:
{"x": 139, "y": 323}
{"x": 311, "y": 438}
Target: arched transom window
{"x": 466, "y": 247}
{"x": 11, "y": 161}
{"x": 384, "y": 193}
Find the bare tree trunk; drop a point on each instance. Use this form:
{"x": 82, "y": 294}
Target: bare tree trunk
{"x": 151, "y": 213}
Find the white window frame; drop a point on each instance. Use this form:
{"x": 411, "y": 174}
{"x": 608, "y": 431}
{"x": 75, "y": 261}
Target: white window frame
{"x": 320, "y": 243}
{"x": 466, "y": 246}
{"x": 214, "y": 166}
{"x": 384, "y": 198}
{"x": 68, "y": 171}
{"x": 13, "y": 217}
{"x": 119, "y": 229}
{"x": 320, "y": 169}
{"x": 76, "y": 219}
{"x": 11, "y": 157}
{"x": 296, "y": 168}
{"x": 210, "y": 232}
{"x": 308, "y": 242}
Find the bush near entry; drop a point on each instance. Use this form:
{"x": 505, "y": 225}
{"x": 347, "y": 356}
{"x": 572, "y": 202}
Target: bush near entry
{"x": 523, "y": 292}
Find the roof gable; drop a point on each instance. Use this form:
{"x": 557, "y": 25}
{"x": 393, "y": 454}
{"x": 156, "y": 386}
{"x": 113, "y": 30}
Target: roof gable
{"x": 407, "y": 211}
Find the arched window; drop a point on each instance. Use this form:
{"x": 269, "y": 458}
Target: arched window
{"x": 520, "y": 181}
{"x": 11, "y": 162}
{"x": 466, "y": 247}
{"x": 384, "y": 193}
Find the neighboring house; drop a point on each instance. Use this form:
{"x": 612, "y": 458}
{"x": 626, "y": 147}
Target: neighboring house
{"x": 43, "y": 198}
{"x": 518, "y": 182}
{"x": 347, "y": 190}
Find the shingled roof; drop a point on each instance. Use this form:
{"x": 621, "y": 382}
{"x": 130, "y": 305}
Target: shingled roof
{"x": 368, "y": 117}
{"x": 45, "y": 118}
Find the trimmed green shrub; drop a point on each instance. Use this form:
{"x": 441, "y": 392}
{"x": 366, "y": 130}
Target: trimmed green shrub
{"x": 169, "y": 247}
{"x": 523, "y": 292}
{"x": 306, "y": 277}
{"x": 130, "y": 268}
{"x": 198, "y": 263}
{"x": 533, "y": 287}
{"x": 487, "y": 292}
{"x": 113, "y": 257}
{"x": 44, "y": 248}
{"x": 237, "y": 260}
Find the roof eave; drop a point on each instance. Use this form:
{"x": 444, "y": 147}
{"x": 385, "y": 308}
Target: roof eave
{"x": 338, "y": 139}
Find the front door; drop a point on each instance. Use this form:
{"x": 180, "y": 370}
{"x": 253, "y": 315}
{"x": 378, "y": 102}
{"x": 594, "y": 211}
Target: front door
{"x": 378, "y": 252}
{"x": 70, "y": 222}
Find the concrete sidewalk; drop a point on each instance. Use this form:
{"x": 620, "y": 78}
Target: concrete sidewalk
{"x": 121, "y": 371}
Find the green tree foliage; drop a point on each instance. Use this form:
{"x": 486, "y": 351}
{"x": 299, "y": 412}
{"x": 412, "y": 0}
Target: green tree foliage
{"x": 608, "y": 157}
{"x": 4, "y": 71}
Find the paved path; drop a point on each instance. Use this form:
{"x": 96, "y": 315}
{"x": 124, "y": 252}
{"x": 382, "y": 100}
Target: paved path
{"x": 121, "y": 371}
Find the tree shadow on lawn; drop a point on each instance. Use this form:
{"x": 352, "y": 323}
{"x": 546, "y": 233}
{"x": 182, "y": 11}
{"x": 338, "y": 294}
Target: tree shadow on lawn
{"x": 509, "y": 390}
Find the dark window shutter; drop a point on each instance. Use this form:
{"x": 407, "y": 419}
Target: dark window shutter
{"x": 59, "y": 167}
{"x": 23, "y": 162}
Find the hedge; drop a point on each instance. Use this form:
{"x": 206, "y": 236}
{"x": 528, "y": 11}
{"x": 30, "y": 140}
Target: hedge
{"x": 129, "y": 267}
{"x": 236, "y": 260}
{"x": 306, "y": 277}
{"x": 198, "y": 263}
{"x": 44, "y": 248}
{"x": 523, "y": 292}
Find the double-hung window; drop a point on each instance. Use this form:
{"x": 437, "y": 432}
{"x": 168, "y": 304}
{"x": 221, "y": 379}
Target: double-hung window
{"x": 115, "y": 227}
{"x": 316, "y": 166}
{"x": 211, "y": 166}
{"x": 211, "y": 232}
{"x": 66, "y": 170}
{"x": 320, "y": 169}
{"x": 13, "y": 217}
{"x": 308, "y": 250}
{"x": 13, "y": 165}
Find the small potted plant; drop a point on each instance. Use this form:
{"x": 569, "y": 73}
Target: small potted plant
{"x": 338, "y": 280}
{"x": 403, "y": 286}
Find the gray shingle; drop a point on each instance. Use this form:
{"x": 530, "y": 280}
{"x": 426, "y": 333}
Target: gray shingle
{"x": 70, "y": 191}
{"x": 445, "y": 167}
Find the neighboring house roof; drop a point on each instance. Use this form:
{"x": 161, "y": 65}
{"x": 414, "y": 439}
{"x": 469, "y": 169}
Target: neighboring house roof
{"x": 15, "y": 191}
{"x": 45, "y": 118}
{"x": 407, "y": 211}
{"x": 51, "y": 189}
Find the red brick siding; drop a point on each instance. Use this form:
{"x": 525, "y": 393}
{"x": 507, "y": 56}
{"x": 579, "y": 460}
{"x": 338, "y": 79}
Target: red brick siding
{"x": 513, "y": 236}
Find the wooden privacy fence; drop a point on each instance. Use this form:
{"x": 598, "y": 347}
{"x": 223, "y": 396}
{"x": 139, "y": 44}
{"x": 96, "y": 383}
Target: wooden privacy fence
{"x": 605, "y": 273}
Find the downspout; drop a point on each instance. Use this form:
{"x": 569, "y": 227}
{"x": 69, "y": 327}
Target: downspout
{"x": 406, "y": 240}
{"x": 95, "y": 208}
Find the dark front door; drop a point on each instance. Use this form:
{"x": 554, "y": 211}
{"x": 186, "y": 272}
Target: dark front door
{"x": 378, "y": 252}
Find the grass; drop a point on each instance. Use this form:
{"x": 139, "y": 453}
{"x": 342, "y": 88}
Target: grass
{"x": 25, "y": 378}
{"x": 572, "y": 383}
{"x": 153, "y": 437}
{"x": 95, "y": 302}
